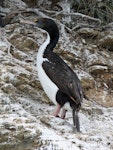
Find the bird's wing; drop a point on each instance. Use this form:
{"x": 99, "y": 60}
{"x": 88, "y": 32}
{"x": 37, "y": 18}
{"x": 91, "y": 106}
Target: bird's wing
{"x": 63, "y": 76}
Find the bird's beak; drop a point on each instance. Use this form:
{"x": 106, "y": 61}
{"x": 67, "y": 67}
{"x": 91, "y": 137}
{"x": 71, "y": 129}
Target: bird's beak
{"x": 28, "y": 22}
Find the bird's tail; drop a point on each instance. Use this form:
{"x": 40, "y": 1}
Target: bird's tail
{"x": 76, "y": 120}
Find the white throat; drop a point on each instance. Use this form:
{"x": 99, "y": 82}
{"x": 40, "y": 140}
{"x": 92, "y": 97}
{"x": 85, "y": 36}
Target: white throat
{"x": 42, "y": 48}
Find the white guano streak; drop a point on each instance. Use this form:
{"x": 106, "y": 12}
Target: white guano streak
{"x": 49, "y": 87}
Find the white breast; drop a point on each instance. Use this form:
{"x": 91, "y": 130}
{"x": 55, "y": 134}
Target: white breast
{"x": 49, "y": 87}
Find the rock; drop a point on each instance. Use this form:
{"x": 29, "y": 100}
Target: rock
{"x": 8, "y": 126}
{"x": 86, "y": 79}
{"x": 107, "y": 41}
{"x": 25, "y": 88}
{"x": 53, "y": 122}
{"x": 19, "y": 54}
{"x": 88, "y": 32}
{"x": 3, "y": 50}
{"x": 102, "y": 97}
{"x": 23, "y": 43}
{"x": 11, "y": 27}
{"x": 98, "y": 69}
{"x": 8, "y": 88}
{"x": 25, "y": 120}
{"x": 96, "y": 64}
{"x": 95, "y": 59}
{"x": 108, "y": 81}
{"x": 2, "y": 3}
{"x": 18, "y": 131}
{"x": 31, "y": 3}
{"x": 109, "y": 26}
{"x": 16, "y": 4}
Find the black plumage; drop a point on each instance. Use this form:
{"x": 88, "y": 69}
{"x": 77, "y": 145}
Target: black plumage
{"x": 68, "y": 83}
{"x": 63, "y": 76}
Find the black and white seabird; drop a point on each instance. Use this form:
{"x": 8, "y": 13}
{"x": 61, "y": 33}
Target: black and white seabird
{"x": 58, "y": 80}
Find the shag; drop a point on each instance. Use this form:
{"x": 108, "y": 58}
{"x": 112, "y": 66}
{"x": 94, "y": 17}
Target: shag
{"x": 59, "y": 81}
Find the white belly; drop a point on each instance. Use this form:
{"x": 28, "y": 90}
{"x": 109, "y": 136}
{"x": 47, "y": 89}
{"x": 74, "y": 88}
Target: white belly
{"x": 49, "y": 87}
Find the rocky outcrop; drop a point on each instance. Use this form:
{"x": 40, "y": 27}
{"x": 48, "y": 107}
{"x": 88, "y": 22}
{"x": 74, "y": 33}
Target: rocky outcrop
{"x": 25, "y": 119}
{"x": 107, "y": 40}
{"x": 17, "y": 129}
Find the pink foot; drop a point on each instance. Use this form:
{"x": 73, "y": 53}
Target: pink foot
{"x": 63, "y": 113}
{"x": 57, "y": 111}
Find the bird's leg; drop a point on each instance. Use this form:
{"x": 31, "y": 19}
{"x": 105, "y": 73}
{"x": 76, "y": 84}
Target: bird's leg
{"x": 63, "y": 113}
{"x": 57, "y": 111}
{"x": 76, "y": 120}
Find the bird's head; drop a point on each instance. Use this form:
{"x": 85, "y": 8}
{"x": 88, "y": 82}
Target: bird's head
{"x": 44, "y": 23}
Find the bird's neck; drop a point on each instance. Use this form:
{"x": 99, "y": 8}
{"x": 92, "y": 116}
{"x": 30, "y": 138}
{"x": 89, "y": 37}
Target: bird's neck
{"x": 43, "y": 47}
{"x": 48, "y": 45}
{"x": 53, "y": 41}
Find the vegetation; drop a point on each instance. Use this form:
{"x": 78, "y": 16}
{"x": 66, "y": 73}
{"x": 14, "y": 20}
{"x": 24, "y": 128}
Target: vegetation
{"x": 102, "y": 9}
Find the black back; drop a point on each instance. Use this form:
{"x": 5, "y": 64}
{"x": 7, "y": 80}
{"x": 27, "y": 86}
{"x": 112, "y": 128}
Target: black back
{"x": 63, "y": 76}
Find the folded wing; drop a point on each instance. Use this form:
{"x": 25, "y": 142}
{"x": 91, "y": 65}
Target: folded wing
{"x": 63, "y": 76}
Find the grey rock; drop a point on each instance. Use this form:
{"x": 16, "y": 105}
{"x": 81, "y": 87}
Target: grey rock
{"x": 107, "y": 41}
{"x": 26, "y": 122}
{"x": 88, "y": 32}
{"x": 23, "y": 43}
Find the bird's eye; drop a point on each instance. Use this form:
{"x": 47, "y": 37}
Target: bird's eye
{"x": 40, "y": 22}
